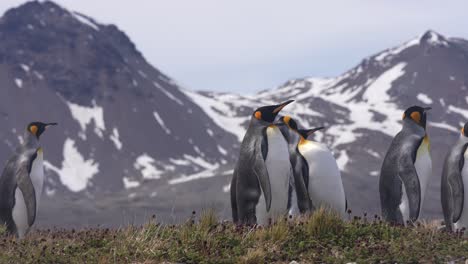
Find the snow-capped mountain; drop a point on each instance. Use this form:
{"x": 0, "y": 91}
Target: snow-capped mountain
{"x": 131, "y": 142}
{"x": 362, "y": 109}
{"x": 123, "y": 124}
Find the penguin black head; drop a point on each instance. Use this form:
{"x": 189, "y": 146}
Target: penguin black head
{"x": 464, "y": 130}
{"x": 307, "y": 132}
{"x": 37, "y": 128}
{"x": 417, "y": 114}
{"x": 268, "y": 113}
{"x": 289, "y": 122}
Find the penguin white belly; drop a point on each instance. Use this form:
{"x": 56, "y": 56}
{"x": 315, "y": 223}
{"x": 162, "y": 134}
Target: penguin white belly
{"x": 279, "y": 169}
{"x": 20, "y": 214}
{"x": 423, "y": 166}
{"x": 37, "y": 177}
{"x": 463, "y": 221}
{"x": 294, "y": 208}
{"x": 325, "y": 183}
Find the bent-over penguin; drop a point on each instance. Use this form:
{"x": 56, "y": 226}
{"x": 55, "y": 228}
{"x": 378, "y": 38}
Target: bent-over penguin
{"x": 315, "y": 167}
{"x": 454, "y": 185}
{"x": 21, "y": 182}
{"x": 406, "y": 169}
{"x": 263, "y": 167}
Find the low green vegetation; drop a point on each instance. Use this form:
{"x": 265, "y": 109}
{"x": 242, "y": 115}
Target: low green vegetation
{"x": 320, "y": 237}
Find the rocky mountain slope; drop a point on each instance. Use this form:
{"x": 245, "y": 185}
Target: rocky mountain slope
{"x": 132, "y": 142}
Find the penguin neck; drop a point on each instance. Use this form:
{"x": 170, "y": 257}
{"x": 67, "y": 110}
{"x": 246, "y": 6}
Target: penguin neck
{"x": 463, "y": 139}
{"x": 30, "y": 141}
{"x": 413, "y": 127}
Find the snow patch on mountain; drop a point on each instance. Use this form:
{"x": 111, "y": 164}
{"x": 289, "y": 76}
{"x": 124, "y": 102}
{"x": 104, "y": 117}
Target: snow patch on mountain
{"x": 424, "y": 98}
{"x": 147, "y": 167}
{"x": 75, "y": 171}
{"x": 220, "y": 112}
{"x": 115, "y": 137}
{"x": 85, "y": 20}
{"x": 19, "y": 82}
{"x": 128, "y": 183}
{"x": 168, "y": 94}
{"x": 84, "y": 115}
{"x": 443, "y": 126}
{"x": 458, "y": 110}
{"x": 161, "y": 123}
{"x": 396, "y": 50}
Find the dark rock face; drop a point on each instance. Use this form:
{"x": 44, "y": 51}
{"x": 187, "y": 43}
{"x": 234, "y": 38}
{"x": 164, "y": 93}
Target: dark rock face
{"x": 132, "y": 143}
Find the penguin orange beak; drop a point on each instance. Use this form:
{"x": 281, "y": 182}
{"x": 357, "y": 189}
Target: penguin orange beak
{"x": 50, "y": 124}
{"x": 427, "y": 109}
{"x": 281, "y": 106}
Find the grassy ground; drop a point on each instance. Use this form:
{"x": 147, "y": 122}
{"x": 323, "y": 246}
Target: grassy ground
{"x": 321, "y": 237}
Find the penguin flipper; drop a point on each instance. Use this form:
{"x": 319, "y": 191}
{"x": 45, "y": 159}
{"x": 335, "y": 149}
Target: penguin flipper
{"x": 301, "y": 181}
{"x": 455, "y": 181}
{"x": 409, "y": 176}
{"x": 261, "y": 171}
{"x": 26, "y": 186}
{"x": 235, "y": 217}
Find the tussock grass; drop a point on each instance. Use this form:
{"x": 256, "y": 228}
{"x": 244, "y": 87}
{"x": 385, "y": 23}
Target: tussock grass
{"x": 319, "y": 237}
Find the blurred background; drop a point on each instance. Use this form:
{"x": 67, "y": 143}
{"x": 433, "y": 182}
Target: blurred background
{"x": 153, "y": 97}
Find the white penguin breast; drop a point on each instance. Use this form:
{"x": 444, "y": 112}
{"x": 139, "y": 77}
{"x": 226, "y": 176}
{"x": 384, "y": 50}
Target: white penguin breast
{"x": 20, "y": 213}
{"x": 279, "y": 170}
{"x": 423, "y": 165}
{"x": 463, "y": 221}
{"x": 325, "y": 183}
{"x": 37, "y": 177}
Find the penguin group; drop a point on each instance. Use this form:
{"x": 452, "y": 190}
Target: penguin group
{"x": 280, "y": 171}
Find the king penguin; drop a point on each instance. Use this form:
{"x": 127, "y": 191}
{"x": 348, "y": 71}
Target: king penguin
{"x": 315, "y": 167}
{"x": 299, "y": 200}
{"x": 21, "y": 182}
{"x": 406, "y": 169}
{"x": 263, "y": 167}
{"x": 455, "y": 184}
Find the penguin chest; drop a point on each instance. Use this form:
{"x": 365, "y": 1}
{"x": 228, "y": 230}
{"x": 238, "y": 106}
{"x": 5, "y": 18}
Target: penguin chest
{"x": 463, "y": 221}
{"x": 279, "y": 170}
{"x": 423, "y": 165}
{"x": 20, "y": 213}
{"x": 37, "y": 176}
{"x": 325, "y": 184}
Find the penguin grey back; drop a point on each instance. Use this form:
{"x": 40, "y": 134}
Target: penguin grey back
{"x": 452, "y": 187}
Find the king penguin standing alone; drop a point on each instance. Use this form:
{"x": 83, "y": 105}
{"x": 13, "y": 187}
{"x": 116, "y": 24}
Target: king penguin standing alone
{"x": 21, "y": 183}
{"x": 260, "y": 182}
{"x": 406, "y": 169}
{"x": 455, "y": 184}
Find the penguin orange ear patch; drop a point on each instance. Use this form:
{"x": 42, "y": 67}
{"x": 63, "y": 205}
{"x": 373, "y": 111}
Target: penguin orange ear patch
{"x": 287, "y": 119}
{"x": 258, "y": 115}
{"x": 463, "y": 130}
{"x": 33, "y": 129}
{"x": 416, "y": 116}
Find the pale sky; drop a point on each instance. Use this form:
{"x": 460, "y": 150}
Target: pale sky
{"x": 247, "y": 46}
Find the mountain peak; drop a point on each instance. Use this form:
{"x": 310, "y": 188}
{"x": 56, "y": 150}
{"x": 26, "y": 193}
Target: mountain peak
{"x": 433, "y": 38}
